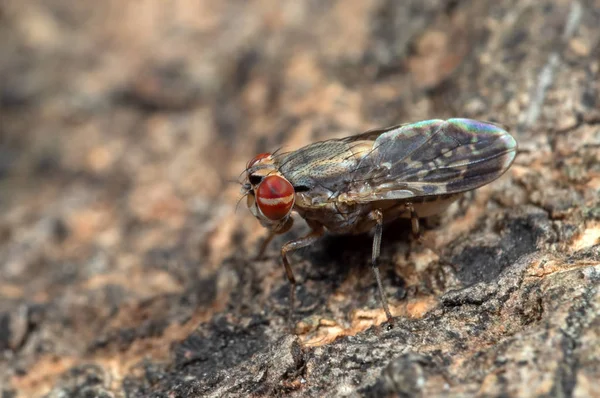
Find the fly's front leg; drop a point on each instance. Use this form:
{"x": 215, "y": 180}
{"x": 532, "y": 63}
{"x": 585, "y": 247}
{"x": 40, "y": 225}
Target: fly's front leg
{"x": 316, "y": 232}
{"x": 377, "y": 216}
{"x": 280, "y": 229}
{"x": 263, "y": 246}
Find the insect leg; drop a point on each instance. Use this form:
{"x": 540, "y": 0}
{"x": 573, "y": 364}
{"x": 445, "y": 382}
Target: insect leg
{"x": 414, "y": 221}
{"x": 279, "y": 229}
{"x": 265, "y": 243}
{"x": 377, "y": 216}
{"x": 316, "y": 232}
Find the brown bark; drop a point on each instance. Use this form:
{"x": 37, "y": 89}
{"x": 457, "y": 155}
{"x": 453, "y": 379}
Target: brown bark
{"x": 126, "y": 271}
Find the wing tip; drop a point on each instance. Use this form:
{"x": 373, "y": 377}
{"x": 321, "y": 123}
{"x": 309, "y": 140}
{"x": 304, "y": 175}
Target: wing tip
{"x": 478, "y": 125}
{"x": 489, "y": 128}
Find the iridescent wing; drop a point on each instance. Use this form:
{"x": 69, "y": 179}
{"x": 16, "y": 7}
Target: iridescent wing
{"x": 432, "y": 157}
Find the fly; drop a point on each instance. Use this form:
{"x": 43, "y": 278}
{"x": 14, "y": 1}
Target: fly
{"x": 356, "y": 184}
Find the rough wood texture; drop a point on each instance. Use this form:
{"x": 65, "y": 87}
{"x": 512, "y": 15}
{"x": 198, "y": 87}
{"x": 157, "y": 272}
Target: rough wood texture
{"x": 125, "y": 270}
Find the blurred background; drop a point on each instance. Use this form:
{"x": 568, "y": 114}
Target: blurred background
{"x": 124, "y": 126}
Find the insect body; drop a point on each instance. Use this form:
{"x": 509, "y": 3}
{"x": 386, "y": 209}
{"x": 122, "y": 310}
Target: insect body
{"x": 356, "y": 184}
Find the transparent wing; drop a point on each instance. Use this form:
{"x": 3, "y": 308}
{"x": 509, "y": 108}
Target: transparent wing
{"x": 432, "y": 157}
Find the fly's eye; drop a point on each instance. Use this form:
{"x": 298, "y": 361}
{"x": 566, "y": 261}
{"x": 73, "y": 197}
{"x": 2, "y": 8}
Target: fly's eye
{"x": 254, "y": 179}
{"x": 257, "y": 158}
{"x": 275, "y": 197}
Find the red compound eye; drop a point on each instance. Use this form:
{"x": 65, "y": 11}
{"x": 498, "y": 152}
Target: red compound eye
{"x": 257, "y": 158}
{"x": 275, "y": 197}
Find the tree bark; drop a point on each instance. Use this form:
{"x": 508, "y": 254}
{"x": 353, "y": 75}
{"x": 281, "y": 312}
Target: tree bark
{"x": 125, "y": 269}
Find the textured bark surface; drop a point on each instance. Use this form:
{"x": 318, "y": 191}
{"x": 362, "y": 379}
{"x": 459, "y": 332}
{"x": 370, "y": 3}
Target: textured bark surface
{"x": 126, "y": 271}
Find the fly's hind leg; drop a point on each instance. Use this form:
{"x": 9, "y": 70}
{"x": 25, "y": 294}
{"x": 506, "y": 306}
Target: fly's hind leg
{"x": 316, "y": 232}
{"x": 414, "y": 222}
{"x": 416, "y": 231}
{"x": 377, "y": 216}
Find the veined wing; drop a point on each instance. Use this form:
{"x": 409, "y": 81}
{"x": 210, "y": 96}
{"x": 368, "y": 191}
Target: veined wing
{"x": 326, "y": 165}
{"x": 432, "y": 157}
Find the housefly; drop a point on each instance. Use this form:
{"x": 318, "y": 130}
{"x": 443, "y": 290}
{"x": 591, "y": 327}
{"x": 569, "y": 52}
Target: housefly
{"x": 356, "y": 184}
